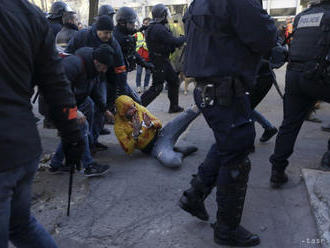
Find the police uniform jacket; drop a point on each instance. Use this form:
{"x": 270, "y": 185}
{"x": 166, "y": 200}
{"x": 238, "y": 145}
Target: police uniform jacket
{"x": 80, "y": 71}
{"x": 160, "y": 40}
{"x": 227, "y": 38}
{"x": 27, "y": 58}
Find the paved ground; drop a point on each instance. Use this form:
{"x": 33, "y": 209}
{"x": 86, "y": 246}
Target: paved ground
{"x": 135, "y": 205}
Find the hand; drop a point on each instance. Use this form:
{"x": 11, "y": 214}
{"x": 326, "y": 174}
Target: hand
{"x": 147, "y": 120}
{"x": 73, "y": 152}
{"x": 109, "y": 116}
{"x": 81, "y": 117}
{"x": 137, "y": 125}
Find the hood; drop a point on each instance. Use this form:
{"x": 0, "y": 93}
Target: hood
{"x": 86, "y": 54}
{"x": 123, "y": 103}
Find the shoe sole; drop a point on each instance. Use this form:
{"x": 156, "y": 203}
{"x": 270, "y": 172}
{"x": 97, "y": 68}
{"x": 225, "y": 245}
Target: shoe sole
{"x": 231, "y": 243}
{"x": 99, "y": 174}
{"x": 188, "y": 210}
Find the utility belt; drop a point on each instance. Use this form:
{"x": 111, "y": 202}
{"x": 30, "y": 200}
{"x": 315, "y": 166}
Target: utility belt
{"x": 219, "y": 90}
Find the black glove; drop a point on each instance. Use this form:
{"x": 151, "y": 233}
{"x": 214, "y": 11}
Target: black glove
{"x": 73, "y": 152}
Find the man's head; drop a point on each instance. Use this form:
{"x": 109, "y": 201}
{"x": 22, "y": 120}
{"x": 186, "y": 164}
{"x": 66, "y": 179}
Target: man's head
{"x": 160, "y": 13}
{"x": 70, "y": 18}
{"x": 58, "y": 9}
{"x": 146, "y": 21}
{"x": 103, "y": 58}
{"x": 125, "y": 106}
{"x": 126, "y": 19}
{"x": 104, "y": 27}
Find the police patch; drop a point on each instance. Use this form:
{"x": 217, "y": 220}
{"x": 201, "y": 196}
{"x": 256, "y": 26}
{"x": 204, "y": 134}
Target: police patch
{"x": 311, "y": 20}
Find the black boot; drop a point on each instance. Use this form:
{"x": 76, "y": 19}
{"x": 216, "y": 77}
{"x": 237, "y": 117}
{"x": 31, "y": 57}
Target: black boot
{"x": 278, "y": 178}
{"x": 325, "y": 162}
{"x": 231, "y": 197}
{"x": 192, "y": 200}
{"x": 268, "y": 134}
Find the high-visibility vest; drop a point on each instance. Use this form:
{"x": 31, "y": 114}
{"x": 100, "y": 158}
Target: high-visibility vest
{"x": 140, "y": 41}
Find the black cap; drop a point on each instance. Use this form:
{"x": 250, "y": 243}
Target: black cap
{"x": 104, "y": 54}
{"x": 104, "y": 23}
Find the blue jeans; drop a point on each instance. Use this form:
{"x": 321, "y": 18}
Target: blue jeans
{"x": 139, "y": 69}
{"x": 258, "y": 117}
{"x": 16, "y": 221}
{"x": 87, "y": 158}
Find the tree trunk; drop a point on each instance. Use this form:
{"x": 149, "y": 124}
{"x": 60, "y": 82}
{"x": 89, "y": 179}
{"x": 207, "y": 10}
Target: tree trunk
{"x": 93, "y": 8}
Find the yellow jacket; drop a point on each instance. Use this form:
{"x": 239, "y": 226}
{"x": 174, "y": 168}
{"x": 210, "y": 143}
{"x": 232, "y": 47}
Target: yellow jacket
{"x": 124, "y": 128}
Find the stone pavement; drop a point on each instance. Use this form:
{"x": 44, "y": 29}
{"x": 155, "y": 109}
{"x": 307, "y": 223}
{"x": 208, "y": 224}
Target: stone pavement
{"x": 135, "y": 205}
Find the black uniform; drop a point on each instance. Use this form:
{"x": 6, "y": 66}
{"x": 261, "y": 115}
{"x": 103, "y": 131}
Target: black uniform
{"x": 161, "y": 43}
{"x": 225, "y": 40}
{"x": 306, "y": 81}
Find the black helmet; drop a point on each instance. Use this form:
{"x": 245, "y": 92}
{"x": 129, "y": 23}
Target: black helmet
{"x": 57, "y": 10}
{"x": 125, "y": 15}
{"x": 106, "y": 10}
{"x": 160, "y": 13}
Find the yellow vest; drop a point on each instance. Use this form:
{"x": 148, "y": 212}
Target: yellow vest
{"x": 140, "y": 41}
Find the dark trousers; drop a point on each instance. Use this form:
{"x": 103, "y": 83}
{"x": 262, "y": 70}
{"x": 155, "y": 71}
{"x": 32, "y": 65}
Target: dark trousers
{"x": 234, "y": 132}
{"x": 300, "y": 96}
{"x": 163, "y": 72}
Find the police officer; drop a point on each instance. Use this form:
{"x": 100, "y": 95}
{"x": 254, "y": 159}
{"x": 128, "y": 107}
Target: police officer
{"x": 126, "y": 19}
{"x": 161, "y": 43}
{"x": 106, "y": 9}
{"x": 307, "y": 80}
{"x": 55, "y": 15}
{"x": 223, "y": 51}
{"x": 27, "y": 58}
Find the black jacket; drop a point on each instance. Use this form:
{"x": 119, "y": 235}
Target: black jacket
{"x": 160, "y": 40}
{"x": 64, "y": 36}
{"x": 227, "y": 38}
{"x": 27, "y": 58}
{"x": 116, "y": 76}
{"x": 128, "y": 47}
{"x": 80, "y": 71}
{"x": 56, "y": 25}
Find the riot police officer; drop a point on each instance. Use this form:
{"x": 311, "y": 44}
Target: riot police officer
{"x": 161, "y": 43}
{"x": 223, "y": 51}
{"x": 55, "y": 15}
{"x": 307, "y": 80}
{"x": 123, "y": 32}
